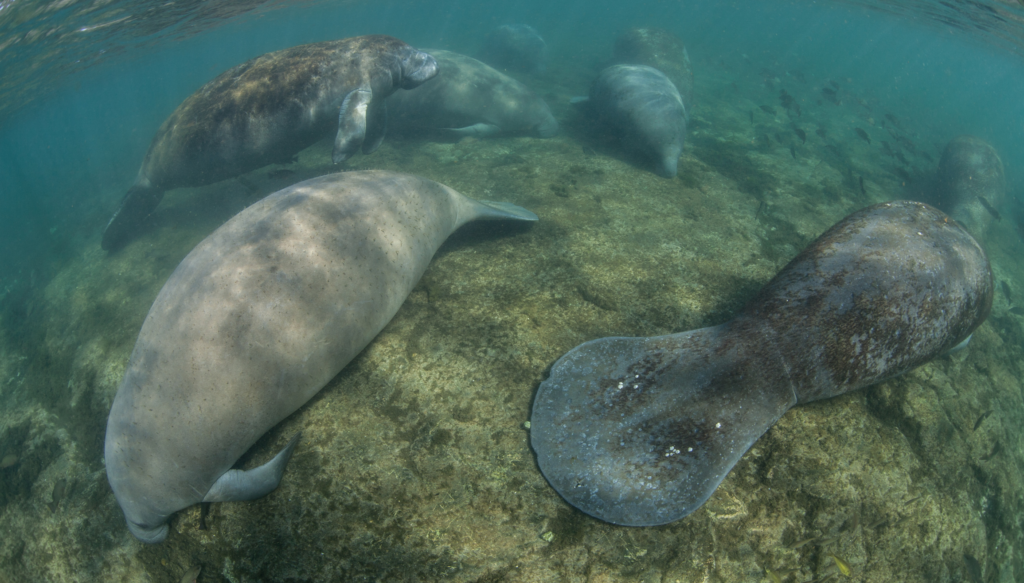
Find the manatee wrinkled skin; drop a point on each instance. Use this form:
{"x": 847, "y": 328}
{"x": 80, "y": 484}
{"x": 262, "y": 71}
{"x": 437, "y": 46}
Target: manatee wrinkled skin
{"x": 645, "y": 110}
{"x": 268, "y": 109}
{"x": 640, "y": 431}
{"x": 515, "y": 47}
{"x": 256, "y": 320}
{"x": 971, "y": 184}
{"x": 469, "y": 97}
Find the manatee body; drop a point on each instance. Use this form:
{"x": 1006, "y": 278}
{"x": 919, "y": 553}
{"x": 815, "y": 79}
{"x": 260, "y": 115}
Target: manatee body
{"x": 971, "y": 185}
{"x": 661, "y": 49}
{"x": 256, "y": 320}
{"x": 268, "y": 109}
{"x": 640, "y": 431}
{"x": 644, "y": 108}
{"x": 515, "y": 47}
{"x": 470, "y": 98}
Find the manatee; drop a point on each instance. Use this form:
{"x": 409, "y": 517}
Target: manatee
{"x": 256, "y": 320}
{"x": 658, "y": 48}
{"x": 971, "y": 185}
{"x": 640, "y": 431}
{"x": 268, "y": 109}
{"x": 470, "y": 98}
{"x": 644, "y": 108}
{"x": 515, "y": 47}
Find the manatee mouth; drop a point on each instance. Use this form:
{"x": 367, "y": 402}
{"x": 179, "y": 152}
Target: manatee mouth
{"x": 148, "y": 534}
{"x": 417, "y": 68}
{"x": 547, "y": 128}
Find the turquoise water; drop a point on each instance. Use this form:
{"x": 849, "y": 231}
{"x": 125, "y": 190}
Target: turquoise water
{"x": 416, "y": 464}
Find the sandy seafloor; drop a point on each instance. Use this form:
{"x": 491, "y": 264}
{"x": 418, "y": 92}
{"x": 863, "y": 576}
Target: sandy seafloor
{"x": 415, "y": 463}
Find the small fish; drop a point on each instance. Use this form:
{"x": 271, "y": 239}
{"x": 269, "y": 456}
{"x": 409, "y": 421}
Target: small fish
{"x": 800, "y": 134}
{"x": 973, "y": 568}
{"x": 887, "y": 148}
{"x": 768, "y": 109}
{"x": 204, "y": 509}
{"x": 911, "y": 501}
{"x": 280, "y": 173}
{"x": 907, "y": 144}
{"x": 1005, "y": 287}
{"x": 852, "y": 522}
{"x": 191, "y": 575}
{"x": 801, "y": 543}
{"x": 792, "y": 151}
{"x": 59, "y": 488}
{"x": 981, "y": 419}
{"x": 844, "y": 567}
{"x": 1017, "y": 311}
{"x": 892, "y": 119}
{"x": 995, "y": 451}
{"x": 991, "y": 210}
{"x": 773, "y": 575}
{"x": 877, "y": 523}
{"x": 11, "y": 459}
{"x": 899, "y": 156}
{"x": 828, "y": 92}
{"x": 863, "y": 135}
{"x": 862, "y": 189}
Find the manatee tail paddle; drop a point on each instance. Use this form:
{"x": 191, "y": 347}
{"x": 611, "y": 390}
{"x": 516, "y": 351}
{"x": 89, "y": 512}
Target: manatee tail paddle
{"x": 126, "y": 224}
{"x": 640, "y": 431}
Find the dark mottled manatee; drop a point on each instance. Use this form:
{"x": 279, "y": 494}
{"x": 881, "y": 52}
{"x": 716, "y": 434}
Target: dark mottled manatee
{"x": 515, "y": 47}
{"x": 268, "y": 109}
{"x": 470, "y": 98}
{"x": 644, "y": 108}
{"x": 256, "y": 320}
{"x": 971, "y": 185}
{"x": 640, "y": 431}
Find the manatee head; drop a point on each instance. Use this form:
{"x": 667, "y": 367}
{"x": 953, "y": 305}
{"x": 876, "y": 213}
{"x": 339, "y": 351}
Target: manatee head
{"x": 547, "y": 126}
{"x": 417, "y": 67}
{"x": 148, "y": 534}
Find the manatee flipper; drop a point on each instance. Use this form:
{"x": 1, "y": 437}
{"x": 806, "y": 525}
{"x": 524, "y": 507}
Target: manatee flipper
{"x": 640, "y": 431}
{"x": 241, "y": 485}
{"x": 351, "y": 124}
{"x": 138, "y": 203}
{"x": 486, "y": 209}
{"x": 376, "y": 126}
{"x": 477, "y": 130}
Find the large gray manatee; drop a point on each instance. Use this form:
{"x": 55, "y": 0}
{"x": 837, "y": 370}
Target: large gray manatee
{"x": 645, "y": 109}
{"x": 471, "y": 98}
{"x": 256, "y": 320}
{"x": 268, "y": 109}
{"x": 640, "y": 431}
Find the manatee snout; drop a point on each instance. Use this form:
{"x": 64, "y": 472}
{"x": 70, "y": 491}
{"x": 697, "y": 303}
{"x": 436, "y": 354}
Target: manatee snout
{"x": 418, "y": 68}
{"x": 548, "y": 127}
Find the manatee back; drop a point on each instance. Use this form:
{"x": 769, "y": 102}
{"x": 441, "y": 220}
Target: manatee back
{"x": 260, "y": 316}
{"x": 645, "y": 107}
{"x": 467, "y": 92}
{"x": 884, "y": 290}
